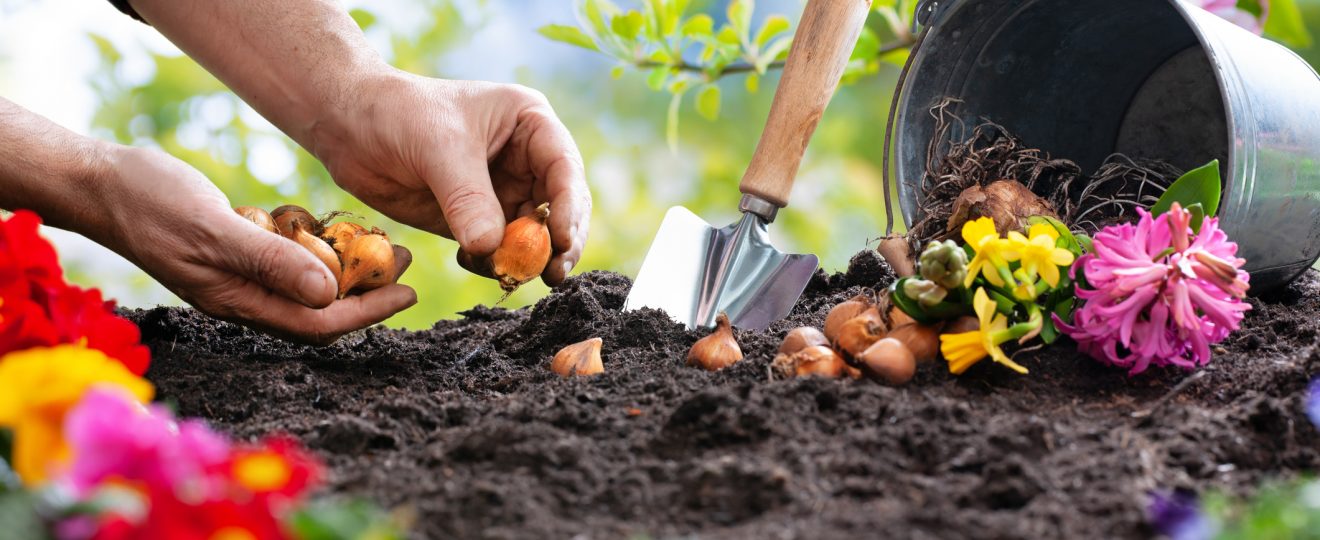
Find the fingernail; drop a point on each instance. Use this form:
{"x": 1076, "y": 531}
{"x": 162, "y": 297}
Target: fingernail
{"x": 479, "y": 229}
{"x": 568, "y": 267}
{"x": 310, "y": 285}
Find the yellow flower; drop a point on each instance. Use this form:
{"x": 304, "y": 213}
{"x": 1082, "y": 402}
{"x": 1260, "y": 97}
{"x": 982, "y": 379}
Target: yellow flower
{"x": 992, "y": 252}
{"x": 1039, "y": 255}
{"x": 39, "y": 386}
{"x": 963, "y": 350}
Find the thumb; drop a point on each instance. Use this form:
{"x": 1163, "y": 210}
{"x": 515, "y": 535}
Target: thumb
{"x": 467, "y": 199}
{"x": 277, "y": 263}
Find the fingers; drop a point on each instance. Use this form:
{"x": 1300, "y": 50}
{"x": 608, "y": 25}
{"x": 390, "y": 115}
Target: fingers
{"x": 254, "y": 306}
{"x": 275, "y": 263}
{"x": 555, "y": 161}
{"x": 461, "y": 183}
{"x": 402, "y": 260}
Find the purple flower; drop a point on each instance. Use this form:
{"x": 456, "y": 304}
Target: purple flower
{"x": 1313, "y": 402}
{"x": 1178, "y": 516}
{"x": 1159, "y": 293}
{"x": 115, "y": 438}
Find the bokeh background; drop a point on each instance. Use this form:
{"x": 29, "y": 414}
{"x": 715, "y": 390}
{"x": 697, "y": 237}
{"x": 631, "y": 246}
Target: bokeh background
{"x": 97, "y": 72}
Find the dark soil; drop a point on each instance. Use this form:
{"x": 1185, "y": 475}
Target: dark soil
{"x": 465, "y": 424}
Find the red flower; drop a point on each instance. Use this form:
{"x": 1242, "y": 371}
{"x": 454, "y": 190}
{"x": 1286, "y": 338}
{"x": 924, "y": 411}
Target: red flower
{"x": 169, "y": 517}
{"x": 38, "y": 308}
{"x": 278, "y": 467}
{"x": 22, "y": 249}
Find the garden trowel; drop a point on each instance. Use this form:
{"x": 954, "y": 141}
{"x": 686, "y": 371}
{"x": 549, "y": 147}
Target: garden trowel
{"x": 695, "y": 271}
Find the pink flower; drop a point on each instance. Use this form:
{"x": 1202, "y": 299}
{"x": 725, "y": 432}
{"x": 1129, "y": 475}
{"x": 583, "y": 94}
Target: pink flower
{"x": 1229, "y": 10}
{"x": 115, "y": 438}
{"x": 1158, "y": 293}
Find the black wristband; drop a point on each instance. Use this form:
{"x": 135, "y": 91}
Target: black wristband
{"x": 123, "y": 6}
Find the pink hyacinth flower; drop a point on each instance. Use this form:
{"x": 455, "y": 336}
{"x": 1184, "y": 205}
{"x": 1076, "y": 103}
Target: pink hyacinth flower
{"x": 117, "y": 439}
{"x": 1159, "y": 293}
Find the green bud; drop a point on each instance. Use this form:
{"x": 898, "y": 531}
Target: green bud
{"x": 926, "y": 293}
{"x": 944, "y": 263}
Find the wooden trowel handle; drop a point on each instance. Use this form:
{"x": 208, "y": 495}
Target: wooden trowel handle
{"x": 824, "y": 41}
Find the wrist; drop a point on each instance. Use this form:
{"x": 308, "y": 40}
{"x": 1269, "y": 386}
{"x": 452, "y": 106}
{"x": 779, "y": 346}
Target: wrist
{"x": 337, "y": 126}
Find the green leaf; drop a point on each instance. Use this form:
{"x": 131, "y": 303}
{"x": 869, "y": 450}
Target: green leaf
{"x": 1286, "y": 24}
{"x": 727, "y": 35}
{"x": 1086, "y": 243}
{"x": 1048, "y": 333}
{"x": 1200, "y": 185}
{"x": 740, "y": 17}
{"x": 672, "y": 15}
{"x": 699, "y": 26}
{"x": 628, "y": 26}
{"x": 1198, "y": 215}
{"x": 868, "y": 45}
{"x": 708, "y": 102}
{"x": 343, "y": 520}
{"x": 1066, "y": 239}
{"x": 598, "y": 14}
{"x": 1251, "y": 6}
{"x": 773, "y": 52}
{"x": 364, "y": 19}
{"x": 617, "y": 72}
{"x": 679, "y": 86}
{"x": 568, "y": 34}
{"x": 656, "y": 78}
{"x": 753, "y": 83}
{"x": 773, "y": 26}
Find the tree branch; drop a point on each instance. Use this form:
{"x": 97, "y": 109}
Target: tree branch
{"x": 902, "y": 43}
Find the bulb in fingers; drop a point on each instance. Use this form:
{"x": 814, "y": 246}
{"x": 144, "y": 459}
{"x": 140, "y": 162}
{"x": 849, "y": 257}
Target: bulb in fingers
{"x": 368, "y": 264}
{"x": 525, "y": 250}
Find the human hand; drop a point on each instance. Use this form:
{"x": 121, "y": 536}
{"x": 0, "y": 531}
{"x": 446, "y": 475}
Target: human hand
{"x": 459, "y": 159}
{"x": 169, "y": 220}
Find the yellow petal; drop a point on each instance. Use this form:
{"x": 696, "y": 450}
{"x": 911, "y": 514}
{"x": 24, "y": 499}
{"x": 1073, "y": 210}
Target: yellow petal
{"x": 984, "y": 307}
{"x": 962, "y": 350}
{"x": 1050, "y": 273}
{"x": 998, "y": 355}
{"x": 1017, "y": 238}
{"x": 974, "y": 232}
{"x": 1043, "y": 229}
{"x": 1061, "y": 257}
{"x": 38, "y": 447}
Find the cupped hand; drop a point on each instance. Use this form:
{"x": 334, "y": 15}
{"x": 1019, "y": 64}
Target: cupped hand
{"x": 167, "y": 218}
{"x": 460, "y": 159}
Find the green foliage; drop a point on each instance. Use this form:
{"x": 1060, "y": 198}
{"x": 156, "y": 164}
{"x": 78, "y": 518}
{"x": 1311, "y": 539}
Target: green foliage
{"x": 1200, "y": 187}
{"x": 679, "y": 51}
{"x": 354, "y": 519}
{"x": 1284, "y": 23}
{"x": 1286, "y": 510}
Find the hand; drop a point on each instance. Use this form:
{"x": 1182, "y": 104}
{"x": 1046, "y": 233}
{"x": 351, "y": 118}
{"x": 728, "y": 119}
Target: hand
{"x": 460, "y": 159}
{"x": 167, "y": 218}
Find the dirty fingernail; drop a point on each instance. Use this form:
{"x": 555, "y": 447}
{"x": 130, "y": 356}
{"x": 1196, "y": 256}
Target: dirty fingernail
{"x": 310, "y": 286}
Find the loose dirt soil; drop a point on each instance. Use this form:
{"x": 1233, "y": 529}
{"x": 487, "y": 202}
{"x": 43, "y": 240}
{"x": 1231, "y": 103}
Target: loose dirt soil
{"x": 465, "y": 424}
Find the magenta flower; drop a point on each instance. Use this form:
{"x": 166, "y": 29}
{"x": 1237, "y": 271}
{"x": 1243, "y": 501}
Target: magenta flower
{"x": 1158, "y": 293}
{"x": 115, "y": 438}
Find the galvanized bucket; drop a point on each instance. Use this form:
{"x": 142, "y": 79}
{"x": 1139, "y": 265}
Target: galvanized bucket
{"x": 1158, "y": 79}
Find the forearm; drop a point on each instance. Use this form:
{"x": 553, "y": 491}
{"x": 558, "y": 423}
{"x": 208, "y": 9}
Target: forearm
{"x": 297, "y": 62}
{"x": 50, "y": 170}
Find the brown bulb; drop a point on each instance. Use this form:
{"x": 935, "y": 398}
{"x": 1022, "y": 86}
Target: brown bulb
{"x": 582, "y": 359}
{"x": 717, "y": 350}
{"x": 801, "y": 338}
{"x": 340, "y": 234}
{"x": 321, "y": 250}
{"x": 923, "y": 340}
{"x": 890, "y": 361}
{"x": 525, "y": 250}
{"x": 961, "y": 325}
{"x": 290, "y": 217}
{"x": 898, "y": 317}
{"x": 368, "y": 264}
{"x": 844, "y": 312}
{"x": 820, "y": 361}
{"x": 258, "y": 216}
{"x": 859, "y": 333}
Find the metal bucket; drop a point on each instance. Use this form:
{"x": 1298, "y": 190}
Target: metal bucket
{"x": 1158, "y": 79}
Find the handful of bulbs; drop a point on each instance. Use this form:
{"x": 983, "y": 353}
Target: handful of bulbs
{"x": 860, "y": 338}
{"x": 359, "y": 258}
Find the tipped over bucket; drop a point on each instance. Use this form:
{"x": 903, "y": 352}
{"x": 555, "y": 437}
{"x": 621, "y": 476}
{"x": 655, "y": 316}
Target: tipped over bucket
{"x": 1155, "y": 79}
